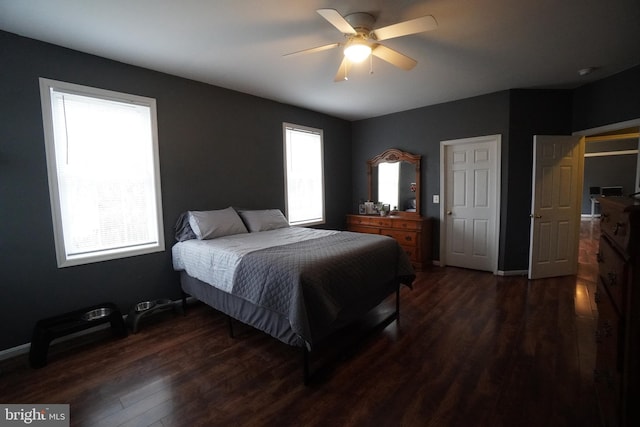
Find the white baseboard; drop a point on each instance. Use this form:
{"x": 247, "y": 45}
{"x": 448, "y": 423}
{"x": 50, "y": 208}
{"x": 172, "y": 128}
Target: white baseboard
{"x": 15, "y": 351}
{"x": 512, "y": 273}
{"x": 24, "y": 348}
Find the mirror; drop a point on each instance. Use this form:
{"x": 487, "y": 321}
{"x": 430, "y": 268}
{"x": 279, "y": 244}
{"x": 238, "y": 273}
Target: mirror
{"x": 394, "y": 179}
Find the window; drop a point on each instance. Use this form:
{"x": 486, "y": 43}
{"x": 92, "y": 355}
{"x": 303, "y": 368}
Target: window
{"x": 304, "y": 179}
{"x": 104, "y": 175}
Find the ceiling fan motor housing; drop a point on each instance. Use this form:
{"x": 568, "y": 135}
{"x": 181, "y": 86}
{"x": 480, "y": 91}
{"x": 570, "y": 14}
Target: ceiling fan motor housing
{"x": 361, "y": 22}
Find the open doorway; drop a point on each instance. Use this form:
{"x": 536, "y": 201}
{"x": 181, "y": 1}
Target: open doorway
{"x": 625, "y": 137}
{"x": 610, "y": 148}
{"x": 611, "y": 167}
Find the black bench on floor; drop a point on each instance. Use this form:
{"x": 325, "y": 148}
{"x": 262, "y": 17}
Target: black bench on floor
{"x": 46, "y": 330}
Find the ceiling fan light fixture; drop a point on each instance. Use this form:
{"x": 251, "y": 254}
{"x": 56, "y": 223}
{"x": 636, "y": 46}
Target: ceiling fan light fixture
{"x": 357, "y": 51}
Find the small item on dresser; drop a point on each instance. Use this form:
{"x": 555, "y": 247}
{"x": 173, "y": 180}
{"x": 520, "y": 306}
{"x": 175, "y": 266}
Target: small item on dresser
{"x": 368, "y": 208}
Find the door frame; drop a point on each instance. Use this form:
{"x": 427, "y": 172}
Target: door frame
{"x": 495, "y": 139}
{"x": 611, "y": 128}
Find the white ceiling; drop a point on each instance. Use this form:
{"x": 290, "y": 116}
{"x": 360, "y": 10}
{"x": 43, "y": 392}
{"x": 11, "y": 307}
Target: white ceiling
{"x": 480, "y": 46}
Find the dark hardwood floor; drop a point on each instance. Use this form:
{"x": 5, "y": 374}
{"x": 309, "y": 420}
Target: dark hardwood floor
{"x": 471, "y": 349}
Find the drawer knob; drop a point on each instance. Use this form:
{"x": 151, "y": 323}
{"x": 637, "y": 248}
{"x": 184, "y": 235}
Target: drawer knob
{"x": 607, "y": 328}
{"x": 617, "y": 228}
{"x": 612, "y": 278}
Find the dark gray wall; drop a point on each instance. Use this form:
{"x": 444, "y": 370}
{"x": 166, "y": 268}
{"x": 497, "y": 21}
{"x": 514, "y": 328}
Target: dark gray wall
{"x": 605, "y": 171}
{"x": 611, "y": 100}
{"x": 204, "y": 130}
{"x": 532, "y": 112}
{"x": 217, "y": 148}
{"x": 420, "y": 131}
{"x": 608, "y": 171}
{"x": 615, "y": 99}
{"x": 518, "y": 115}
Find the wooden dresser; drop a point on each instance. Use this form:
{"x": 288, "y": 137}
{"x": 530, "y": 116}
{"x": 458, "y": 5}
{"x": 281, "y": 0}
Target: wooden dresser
{"x": 616, "y": 374}
{"x": 412, "y": 232}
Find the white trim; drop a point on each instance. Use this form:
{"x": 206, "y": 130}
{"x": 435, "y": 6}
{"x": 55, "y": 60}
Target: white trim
{"x": 25, "y": 348}
{"x": 614, "y": 137}
{"x": 316, "y": 131}
{"x": 512, "y": 273}
{"x": 64, "y": 259}
{"x": 608, "y": 128}
{"x": 497, "y": 140}
{"x": 15, "y": 351}
{"x": 611, "y": 153}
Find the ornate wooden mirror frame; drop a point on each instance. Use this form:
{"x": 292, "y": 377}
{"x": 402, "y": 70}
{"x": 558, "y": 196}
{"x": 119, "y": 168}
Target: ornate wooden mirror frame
{"x": 392, "y": 156}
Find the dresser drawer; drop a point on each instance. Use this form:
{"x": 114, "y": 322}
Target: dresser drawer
{"x": 413, "y": 252}
{"x": 363, "y": 229}
{"x": 607, "y": 374}
{"x": 613, "y": 273}
{"x": 375, "y": 221}
{"x": 403, "y": 224}
{"x": 405, "y": 238}
{"x": 614, "y": 223}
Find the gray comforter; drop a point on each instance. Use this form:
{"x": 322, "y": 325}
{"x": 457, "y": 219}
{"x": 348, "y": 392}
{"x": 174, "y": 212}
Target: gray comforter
{"x": 322, "y": 284}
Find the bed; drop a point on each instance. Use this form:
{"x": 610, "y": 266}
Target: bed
{"x": 297, "y": 284}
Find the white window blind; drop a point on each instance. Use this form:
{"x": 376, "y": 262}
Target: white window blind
{"x": 103, "y": 173}
{"x": 304, "y": 178}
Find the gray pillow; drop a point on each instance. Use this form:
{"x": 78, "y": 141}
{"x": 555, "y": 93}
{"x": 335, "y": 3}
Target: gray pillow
{"x": 263, "y": 220}
{"x": 218, "y": 223}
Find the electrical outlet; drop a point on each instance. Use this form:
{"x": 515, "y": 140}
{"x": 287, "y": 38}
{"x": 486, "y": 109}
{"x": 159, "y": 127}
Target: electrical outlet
{"x": 436, "y": 198}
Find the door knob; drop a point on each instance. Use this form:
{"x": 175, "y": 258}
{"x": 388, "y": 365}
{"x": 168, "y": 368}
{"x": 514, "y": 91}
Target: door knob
{"x": 449, "y": 212}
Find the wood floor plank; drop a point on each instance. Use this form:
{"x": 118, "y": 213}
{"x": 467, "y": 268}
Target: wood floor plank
{"x": 471, "y": 348}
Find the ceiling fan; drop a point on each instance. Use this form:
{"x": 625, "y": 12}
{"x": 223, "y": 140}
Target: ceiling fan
{"x": 362, "y": 39}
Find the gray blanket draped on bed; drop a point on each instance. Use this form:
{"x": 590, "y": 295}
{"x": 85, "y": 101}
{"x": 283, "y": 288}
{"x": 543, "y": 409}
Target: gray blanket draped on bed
{"x": 322, "y": 284}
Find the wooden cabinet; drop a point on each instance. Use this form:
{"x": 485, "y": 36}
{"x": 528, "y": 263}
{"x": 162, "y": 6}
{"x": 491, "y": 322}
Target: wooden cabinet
{"x": 616, "y": 374}
{"x": 412, "y": 232}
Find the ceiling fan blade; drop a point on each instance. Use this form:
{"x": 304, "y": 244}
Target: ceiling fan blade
{"x": 413, "y": 26}
{"x": 394, "y": 57}
{"x": 343, "y": 69}
{"x": 313, "y": 49}
{"x": 337, "y": 20}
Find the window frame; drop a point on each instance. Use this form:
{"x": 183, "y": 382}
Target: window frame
{"x": 320, "y": 133}
{"x": 62, "y": 257}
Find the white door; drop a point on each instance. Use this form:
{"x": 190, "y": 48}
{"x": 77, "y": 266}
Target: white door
{"x": 470, "y": 206}
{"x": 555, "y": 205}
